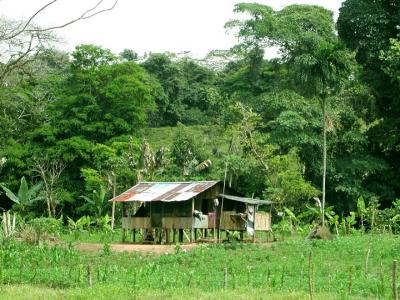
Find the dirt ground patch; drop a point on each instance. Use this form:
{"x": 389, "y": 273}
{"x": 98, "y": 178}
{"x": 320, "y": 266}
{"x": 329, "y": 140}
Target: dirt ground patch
{"x": 146, "y": 248}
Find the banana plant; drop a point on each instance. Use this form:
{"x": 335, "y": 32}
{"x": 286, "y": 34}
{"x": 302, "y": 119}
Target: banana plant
{"x": 292, "y": 219}
{"x": 330, "y": 216}
{"x": 104, "y": 223}
{"x": 97, "y": 200}
{"x": 79, "y": 225}
{"x": 395, "y": 219}
{"x": 3, "y": 161}
{"x": 333, "y": 218}
{"x": 350, "y": 221}
{"x": 25, "y": 195}
{"x": 372, "y": 211}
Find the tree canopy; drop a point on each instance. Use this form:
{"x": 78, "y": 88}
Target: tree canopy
{"x": 82, "y": 126}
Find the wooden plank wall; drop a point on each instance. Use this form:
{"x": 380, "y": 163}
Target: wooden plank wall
{"x": 177, "y": 222}
{"x": 135, "y": 222}
{"x": 230, "y": 221}
{"x": 263, "y": 221}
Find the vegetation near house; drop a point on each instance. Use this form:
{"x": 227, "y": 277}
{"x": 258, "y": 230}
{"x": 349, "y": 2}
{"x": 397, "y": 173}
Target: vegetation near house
{"x": 186, "y": 148}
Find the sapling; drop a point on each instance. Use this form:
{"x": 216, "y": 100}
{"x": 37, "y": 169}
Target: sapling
{"x": 361, "y": 210}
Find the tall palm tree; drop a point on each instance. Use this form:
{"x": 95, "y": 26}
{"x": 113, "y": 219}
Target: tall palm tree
{"x": 321, "y": 70}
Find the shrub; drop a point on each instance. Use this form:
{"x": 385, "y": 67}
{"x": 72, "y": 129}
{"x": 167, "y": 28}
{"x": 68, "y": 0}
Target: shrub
{"x": 41, "y": 229}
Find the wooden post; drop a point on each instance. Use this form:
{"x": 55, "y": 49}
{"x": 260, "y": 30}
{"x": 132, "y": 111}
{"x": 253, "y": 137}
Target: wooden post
{"x": 394, "y": 281}
{"x": 225, "y": 278}
{"x": 89, "y": 275}
{"x": 222, "y": 201}
{"x": 113, "y": 215}
{"x": 205, "y": 233}
{"x": 167, "y": 235}
{"x": 113, "y": 204}
{"x": 367, "y": 257}
{"x": 215, "y": 220}
{"x": 254, "y": 224}
{"x": 173, "y": 235}
{"x": 134, "y": 235}
{"x": 151, "y": 222}
{"x": 310, "y": 284}
{"x": 350, "y": 280}
{"x": 192, "y": 237}
{"x": 123, "y": 229}
{"x": 180, "y": 238}
{"x": 241, "y": 235}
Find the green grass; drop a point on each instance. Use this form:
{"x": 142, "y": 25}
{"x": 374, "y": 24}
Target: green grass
{"x": 29, "y": 292}
{"x": 254, "y": 271}
{"x": 93, "y": 236}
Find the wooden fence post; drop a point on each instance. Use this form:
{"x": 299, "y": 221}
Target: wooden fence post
{"x": 89, "y": 275}
{"x": 310, "y": 288}
{"x": 225, "y": 278}
{"x": 367, "y": 257}
{"x": 350, "y": 279}
{"x": 192, "y": 234}
{"x": 394, "y": 280}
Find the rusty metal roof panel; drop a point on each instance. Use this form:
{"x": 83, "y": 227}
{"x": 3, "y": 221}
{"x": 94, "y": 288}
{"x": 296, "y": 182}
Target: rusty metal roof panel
{"x": 164, "y": 191}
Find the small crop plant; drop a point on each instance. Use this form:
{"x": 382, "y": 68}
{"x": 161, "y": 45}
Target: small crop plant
{"x": 338, "y": 267}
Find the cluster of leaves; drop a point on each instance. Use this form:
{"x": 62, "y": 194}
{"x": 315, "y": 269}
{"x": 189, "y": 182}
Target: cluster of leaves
{"x": 77, "y": 122}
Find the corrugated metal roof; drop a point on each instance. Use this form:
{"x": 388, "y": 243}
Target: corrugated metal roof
{"x": 246, "y": 200}
{"x": 164, "y": 191}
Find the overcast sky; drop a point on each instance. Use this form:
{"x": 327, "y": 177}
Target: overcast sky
{"x": 146, "y": 25}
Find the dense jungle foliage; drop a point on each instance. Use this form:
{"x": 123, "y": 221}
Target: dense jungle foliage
{"x": 76, "y": 128}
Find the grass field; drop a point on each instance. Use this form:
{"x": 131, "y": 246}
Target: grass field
{"x": 27, "y": 292}
{"x": 254, "y": 271}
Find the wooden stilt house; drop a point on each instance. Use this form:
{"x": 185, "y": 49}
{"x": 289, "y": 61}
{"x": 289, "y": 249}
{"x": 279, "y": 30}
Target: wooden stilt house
{"x": 189, "y": 208}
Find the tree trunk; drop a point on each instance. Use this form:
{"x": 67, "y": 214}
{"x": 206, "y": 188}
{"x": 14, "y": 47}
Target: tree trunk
{"x": 323, "y": 160}
{"x": 113, "y": 204}
{"x": 48, "y": 197}
{"x": 48, "y": 206}
{"x": 222, "y": 200}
